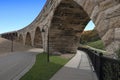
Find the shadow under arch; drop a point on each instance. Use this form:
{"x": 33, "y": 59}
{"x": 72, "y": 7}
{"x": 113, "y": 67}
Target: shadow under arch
{"x": 20, "y": 38}
{"x": 28, "y": 41}
{"x": 38, "y": 38}
{"x": 68, "y": 22}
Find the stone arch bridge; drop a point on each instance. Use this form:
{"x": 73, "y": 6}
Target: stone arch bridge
{"x": 64, "y": 21}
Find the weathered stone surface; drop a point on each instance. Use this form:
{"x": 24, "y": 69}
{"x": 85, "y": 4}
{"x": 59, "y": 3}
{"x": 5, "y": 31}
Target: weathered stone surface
{"x": 64, "y": 20}
{"x": 107, "y": 4}
{"x": 28, "y": 39}
{"x": 117, "y": 34}
{"x": 37, "y": 38}
{"x": 111, "y": 48}
{"x": 92, "y": 4}
{"x": 115, "y": 22}
{"x": 113, "y": 12}
{"x": 81, "y": 2}
{"x": 108, "y": 37}
{"x": 95, "y": 13}
{"x": 101, "y": 16}
{"x": 73, "y": 19}
{"x": 20, "y": 39}
{"x": 102, "y": 30}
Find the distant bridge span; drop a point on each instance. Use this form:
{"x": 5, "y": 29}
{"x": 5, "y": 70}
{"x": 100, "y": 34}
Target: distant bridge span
{"x": 66, "y": 19}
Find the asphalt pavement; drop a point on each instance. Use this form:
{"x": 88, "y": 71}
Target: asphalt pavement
{"x": 15, "y": 65}
{"x": 78, "y": 68}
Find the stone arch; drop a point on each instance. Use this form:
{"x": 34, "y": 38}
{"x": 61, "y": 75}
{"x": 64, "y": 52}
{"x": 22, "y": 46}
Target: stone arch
{"x": 28, "y": 41}
{"x": 15, "y": 36}
{"x": 20, "y": 39}
{"x": 38, "y": 38}
{"x": 105, "y": 15}
{"x": 68, "y": 22}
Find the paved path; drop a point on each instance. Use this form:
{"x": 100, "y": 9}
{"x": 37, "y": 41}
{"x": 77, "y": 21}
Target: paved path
{"x": 78, "y": 68}
{"x": 13, "y": 66}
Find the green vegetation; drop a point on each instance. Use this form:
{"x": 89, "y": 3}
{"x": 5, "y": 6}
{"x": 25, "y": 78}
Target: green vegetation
{"x": 118, "y": 53}
{"x": 97, "y": 44}
{"x": 42, "y": 70}
{"x": 89, "y": 36}
{"x": 92, "y": 39}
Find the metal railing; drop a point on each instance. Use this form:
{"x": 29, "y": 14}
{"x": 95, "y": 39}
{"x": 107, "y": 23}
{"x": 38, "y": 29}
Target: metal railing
{"x": 105, "y": 68}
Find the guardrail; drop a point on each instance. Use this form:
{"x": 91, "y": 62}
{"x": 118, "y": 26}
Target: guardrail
{"x": 105, "y": 68}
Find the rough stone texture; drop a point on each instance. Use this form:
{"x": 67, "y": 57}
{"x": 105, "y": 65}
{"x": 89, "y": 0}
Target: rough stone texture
{"x": 20, "y": 39}
{"x": 89, "y": 9}
{"x": 111, "y": 48}
{"x": 28, "y": 40}
{"x": 115, "y": 22}
{"x": 117, "y": 34}
{"x": 108, "y": 37}
{"x": 95, "y": 13}
{"x": 38, "y": 38}
{"x": 102, "y": 30}
{"x": 66, "y": 19}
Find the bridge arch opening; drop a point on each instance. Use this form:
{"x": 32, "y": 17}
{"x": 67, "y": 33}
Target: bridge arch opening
{"x": 90, "y": 37}
{"x": 20, "y": 39}
{"x": 38, "y": 38}
{"x": 28, "y": 40}
{"x": 68, "y": 22}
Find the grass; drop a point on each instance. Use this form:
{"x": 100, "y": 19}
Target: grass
{"x": 42, "y": 70}
{"x": 97, "y": 44}
{"x": 118, "y": 53}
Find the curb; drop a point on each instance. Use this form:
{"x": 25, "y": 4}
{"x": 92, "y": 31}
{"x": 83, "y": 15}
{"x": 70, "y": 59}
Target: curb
{"x": 26, "y": 69}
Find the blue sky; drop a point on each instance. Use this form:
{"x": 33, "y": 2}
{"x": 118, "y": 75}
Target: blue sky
{"x": 90, "y": 26}
{"x": 16, "y": 14}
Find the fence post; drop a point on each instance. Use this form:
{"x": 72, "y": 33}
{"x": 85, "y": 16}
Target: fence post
{"x": 101, "y": 66}
{"x": 94, "y": 60}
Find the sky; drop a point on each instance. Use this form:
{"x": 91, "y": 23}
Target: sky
{"x": 90, "y": 26}
{"x": 17, "y": 14}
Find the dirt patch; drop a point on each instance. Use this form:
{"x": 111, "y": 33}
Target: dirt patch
{"x": 6, "y": 45}
{"x": 67, "y": 56}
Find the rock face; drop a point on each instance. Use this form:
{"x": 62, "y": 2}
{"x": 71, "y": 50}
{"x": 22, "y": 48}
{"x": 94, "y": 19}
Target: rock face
{"x": 64, "y": 20}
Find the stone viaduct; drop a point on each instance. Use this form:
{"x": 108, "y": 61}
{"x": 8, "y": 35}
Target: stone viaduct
{"x": 64, "y": 21}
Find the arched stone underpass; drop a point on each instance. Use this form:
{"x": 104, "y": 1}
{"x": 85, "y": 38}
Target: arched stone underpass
{"x": 38, "y": 38}
{"x": 28, "y": 41}
{"x": 69, "y": 20}
{"x": 104, "y": 14}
